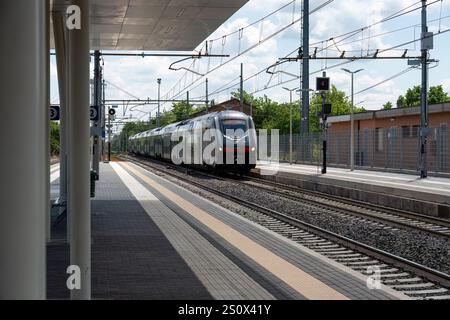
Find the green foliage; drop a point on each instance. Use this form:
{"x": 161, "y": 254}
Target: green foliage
{"x": 179, "y": 112}
{"x": 437, "y": 95}
{"x": 54, "y": 138}
{"x": 387, "y": 106}
{"x": 340, "y": 106}
{"x": 182, "y": 110}
{"x": 412, "y": 98}
{"x": 132, "y": 128}
{"x": 269, "y": 114}
{"x": 248, "y": 98}
{"x": 401, "y": 103}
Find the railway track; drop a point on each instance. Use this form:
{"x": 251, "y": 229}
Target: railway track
{"x": 344, "y": 207}
{"x": 414, "y": 280}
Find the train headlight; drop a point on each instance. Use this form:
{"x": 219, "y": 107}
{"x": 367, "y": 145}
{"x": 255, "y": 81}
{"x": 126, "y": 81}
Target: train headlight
{"x": 220, "y": 149}
{"x": 253, "y": 149}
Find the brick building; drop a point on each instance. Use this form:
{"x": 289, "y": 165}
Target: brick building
{"x": 389, "y": 138}
{"x": 233, "y": 104}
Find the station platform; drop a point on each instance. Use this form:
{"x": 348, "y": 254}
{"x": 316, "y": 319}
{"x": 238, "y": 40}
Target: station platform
{"x": 152, "y": 239}
{"x": 430, "y": 196}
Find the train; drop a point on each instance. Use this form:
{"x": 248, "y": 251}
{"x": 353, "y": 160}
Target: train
{"x": 218, "y": 141}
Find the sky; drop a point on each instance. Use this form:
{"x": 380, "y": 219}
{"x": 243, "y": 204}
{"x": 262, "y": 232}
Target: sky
{"x": 137, "y": 76}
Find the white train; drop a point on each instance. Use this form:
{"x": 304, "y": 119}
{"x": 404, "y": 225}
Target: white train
{"x": 222, "y": 141}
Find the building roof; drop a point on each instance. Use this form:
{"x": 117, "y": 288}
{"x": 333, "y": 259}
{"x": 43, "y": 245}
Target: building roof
{"x": 232, "y": 104}
{"x": 153, "y": 24}
{"x": 397, "y": 112}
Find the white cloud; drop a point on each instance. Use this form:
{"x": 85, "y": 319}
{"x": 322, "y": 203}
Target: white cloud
{"x": 138, "y": 76}
{"x": 446, "y": 85}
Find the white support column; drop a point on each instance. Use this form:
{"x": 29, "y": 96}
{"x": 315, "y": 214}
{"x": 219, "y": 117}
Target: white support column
{"x": 47, "y": 120}
{"x": 23, "y": 134}
{"x": 79, "y": 211}
{"x": 61, "y": 63}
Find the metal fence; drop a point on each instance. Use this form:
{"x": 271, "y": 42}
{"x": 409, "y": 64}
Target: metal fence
{"x": 392, "y": 149}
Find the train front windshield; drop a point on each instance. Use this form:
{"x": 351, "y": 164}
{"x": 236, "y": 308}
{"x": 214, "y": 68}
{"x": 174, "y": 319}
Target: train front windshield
{"x": 238, "y": 126}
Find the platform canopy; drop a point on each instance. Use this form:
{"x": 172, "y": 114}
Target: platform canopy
{"x": 178, "y": 25}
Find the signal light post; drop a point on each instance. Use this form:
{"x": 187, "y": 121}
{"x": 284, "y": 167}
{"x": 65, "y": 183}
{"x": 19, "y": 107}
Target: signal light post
{"x": 158, "y": 116}
{"x": 111, "y": 113}
{"x": 323, "y": 86}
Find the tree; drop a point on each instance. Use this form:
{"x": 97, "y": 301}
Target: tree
{"x": 437, "y": 95}
{"x": 132, "y": 128}
{"x": 387, "y": 106}
{"x": 412, "y": 98}
{"x": 54, "y": 138}
{"x": 269, "y": 114}
{"x": 340, "y": 106}
{"x": 182, "y": 110}
{"x": 248, "y": 98}
{"x": 401, "y": 103}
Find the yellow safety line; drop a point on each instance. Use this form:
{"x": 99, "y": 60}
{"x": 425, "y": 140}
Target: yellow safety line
{"x": 302, "y": 282}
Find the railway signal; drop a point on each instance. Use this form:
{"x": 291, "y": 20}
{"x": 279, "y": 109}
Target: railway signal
{"x": 326, "y": 110}
{"x": 112, "y": 112}
{"x": 322, "y": 84}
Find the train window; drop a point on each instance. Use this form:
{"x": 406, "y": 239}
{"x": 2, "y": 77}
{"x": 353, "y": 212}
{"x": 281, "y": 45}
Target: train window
{"x": 234, "y": 124}
{"x": 211, "y": 123}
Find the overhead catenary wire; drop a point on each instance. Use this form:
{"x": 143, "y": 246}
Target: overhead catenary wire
{"x": 255, "y": 45}
{"x": 290, "y": 80}
{"x": 221, "y": 89}
{"x": 350, "y": 61}
{"x": 347, "y": 35}
{"x": 395, "y": 15}
{"x": 351, "y": 34}
{"x": 386, "y": 80}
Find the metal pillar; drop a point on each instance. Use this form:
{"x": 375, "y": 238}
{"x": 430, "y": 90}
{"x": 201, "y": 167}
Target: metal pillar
{"x": 324, "y": 133}
{"x": 158, "y": 116}
{"x": 241, "y": 90}
{"x": 305, "y": 70}
{"x": 109, "y": 137}
{"x": 103, "y": 112}
{"x": 352, "y": 129}
{"x": 290, "y": 130}
{"x": 207, "y": 97}
{"x": 61, "y": 59}
{"x": 424, "y": 98}
{"x": 23, "y": 192}
{"x": 150, "y": 120}
{"x": 97, "y": 102}
{"x": 79, "y": 210}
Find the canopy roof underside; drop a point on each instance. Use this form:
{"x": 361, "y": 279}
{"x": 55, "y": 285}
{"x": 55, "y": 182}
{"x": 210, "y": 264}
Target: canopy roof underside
{"x": 168, "y": 25}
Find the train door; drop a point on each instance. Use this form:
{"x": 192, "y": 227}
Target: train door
{"x": 158, "y": 146}
{"x": 190, "y": 143}
{"x": 196, "y": 143}
{"x": 153, "y": 145}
